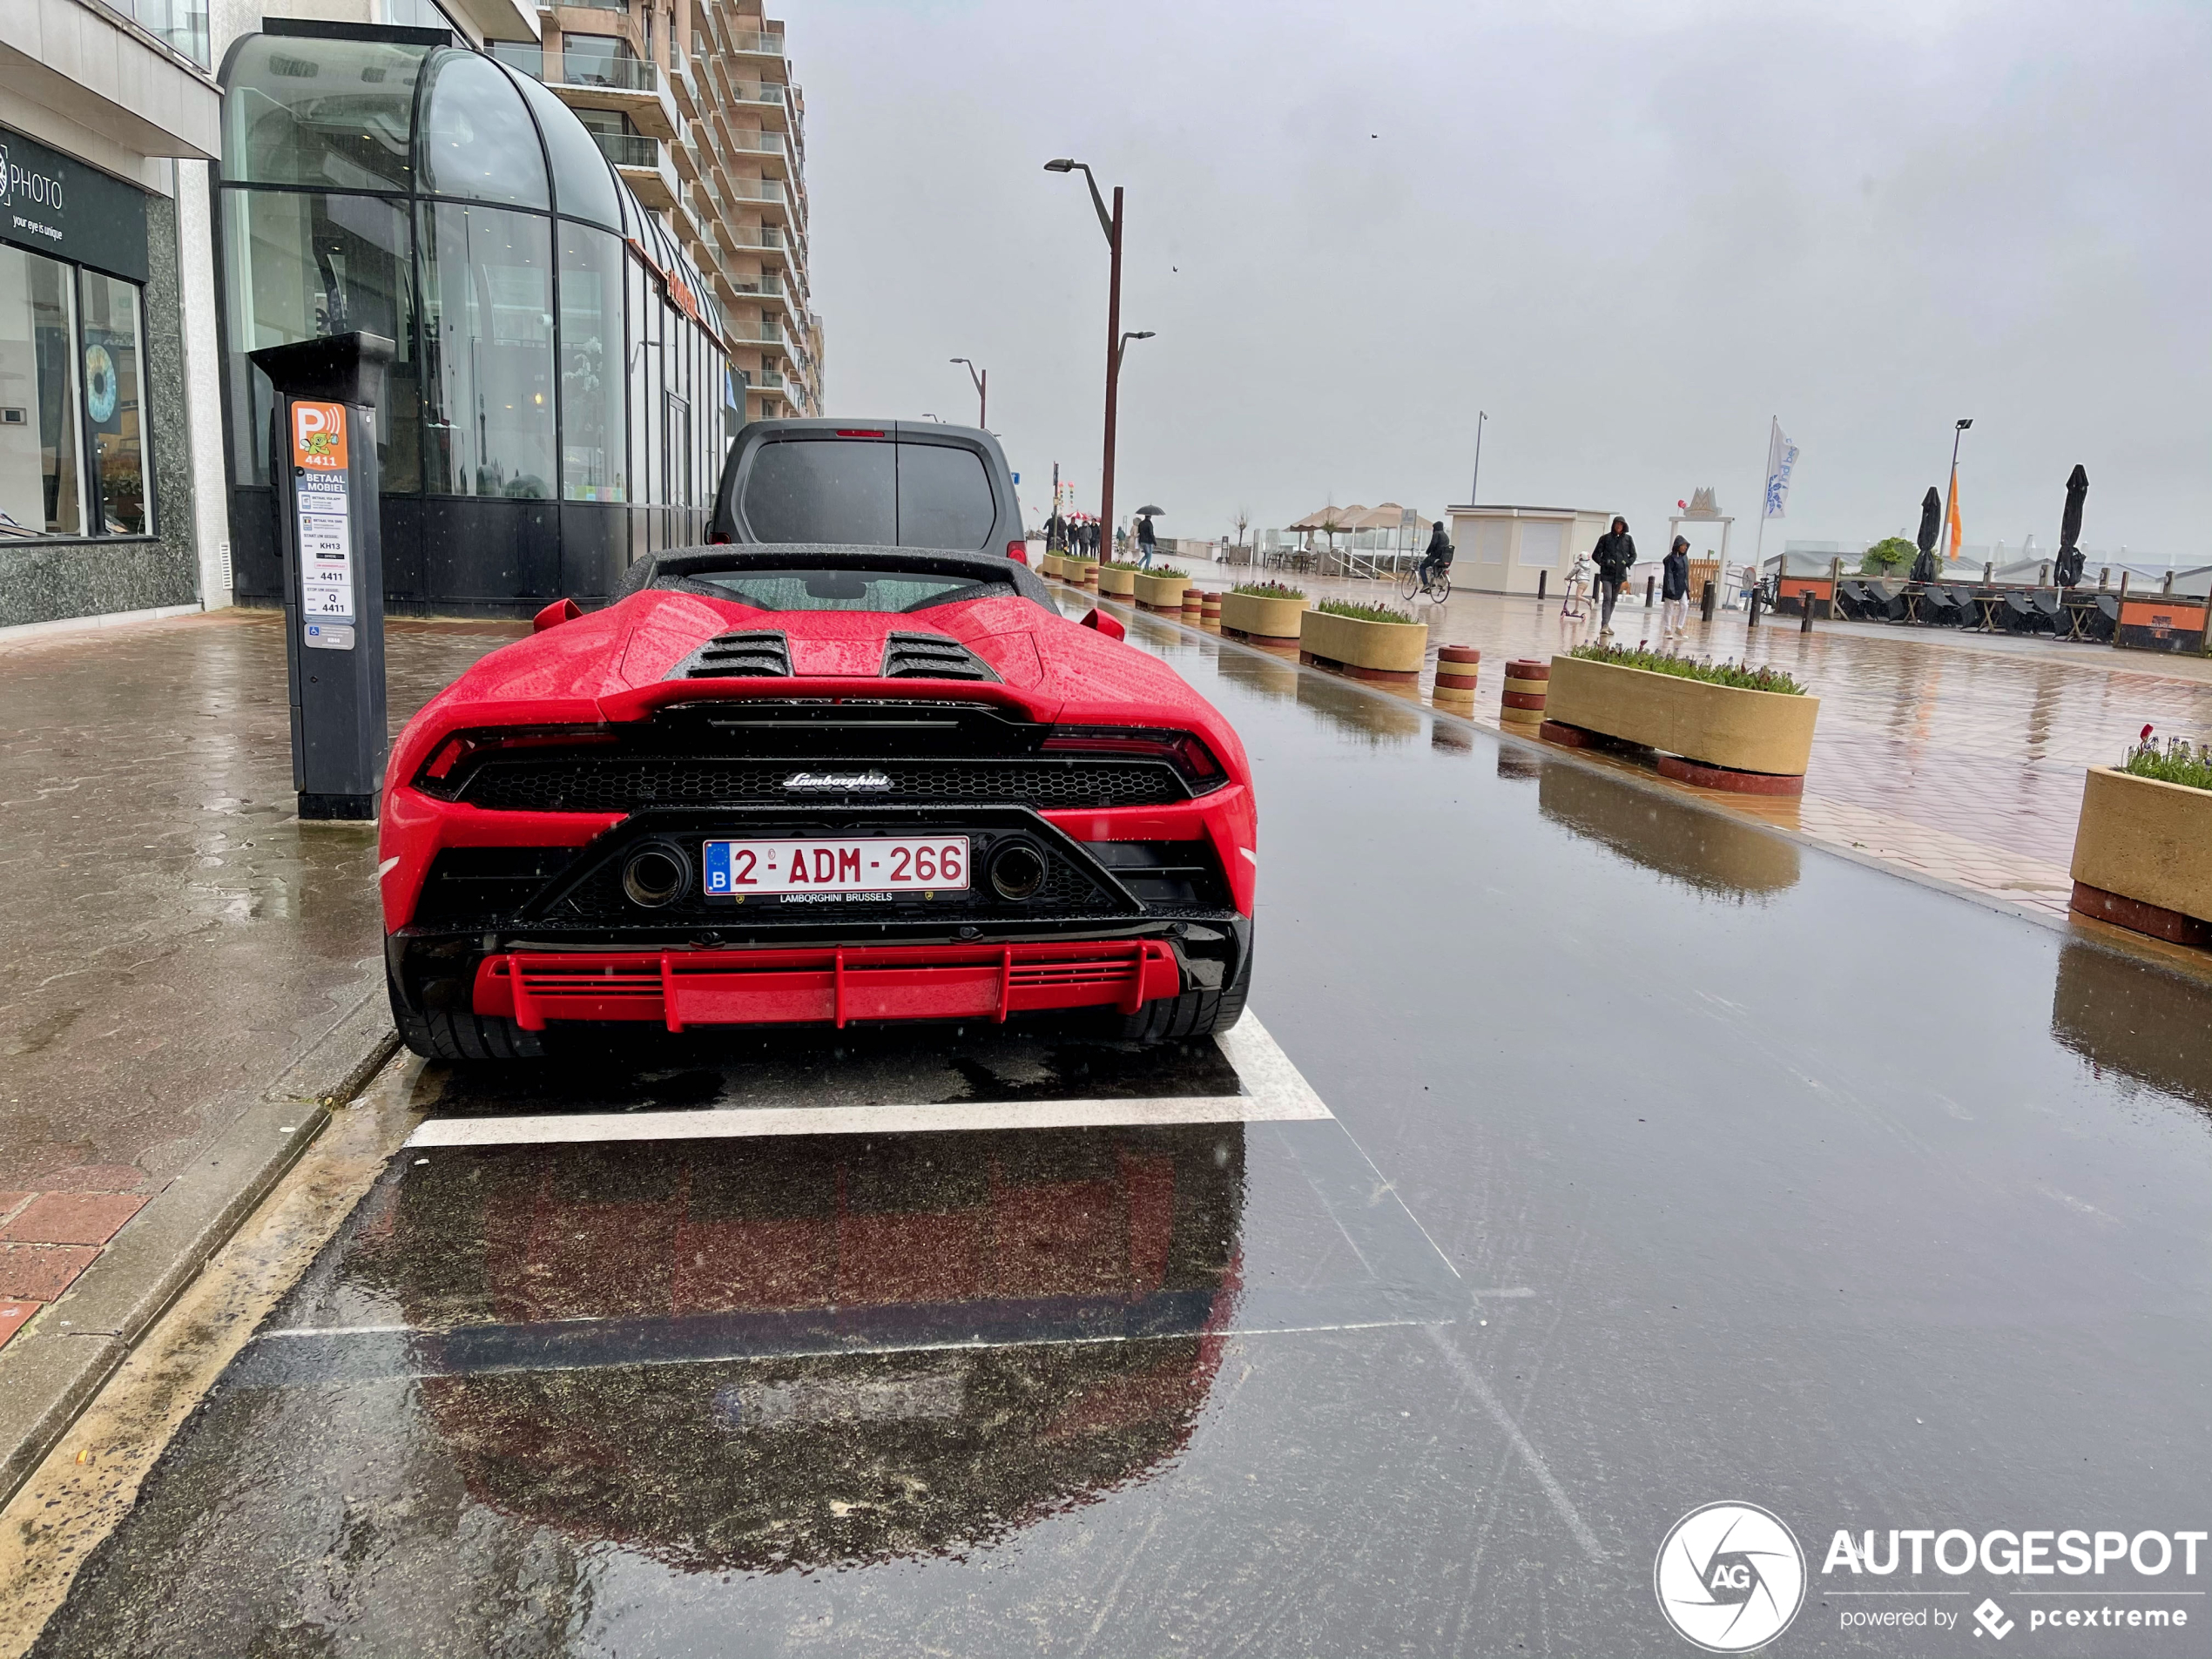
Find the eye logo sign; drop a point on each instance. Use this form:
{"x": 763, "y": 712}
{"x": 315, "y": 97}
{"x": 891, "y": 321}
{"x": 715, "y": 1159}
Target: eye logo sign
{"x": 1729, "y": 1577}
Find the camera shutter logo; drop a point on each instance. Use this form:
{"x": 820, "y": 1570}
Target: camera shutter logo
{"x": 1729, "y": 1577}
{"x": 7, "y": 177}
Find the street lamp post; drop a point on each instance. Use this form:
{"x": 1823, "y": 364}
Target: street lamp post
{"x": 982, "y": 379}
{"x": 1958, "y": 433}
{"x": 1111, "y": 224}
{"x": 1475, "y": 490}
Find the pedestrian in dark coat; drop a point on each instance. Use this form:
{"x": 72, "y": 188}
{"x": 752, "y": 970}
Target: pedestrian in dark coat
{"x": 1674, "y": 590}
{"x": 1614, "y": 555}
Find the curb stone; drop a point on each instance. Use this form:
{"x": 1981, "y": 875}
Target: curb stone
{"x": 51, "y": 1371}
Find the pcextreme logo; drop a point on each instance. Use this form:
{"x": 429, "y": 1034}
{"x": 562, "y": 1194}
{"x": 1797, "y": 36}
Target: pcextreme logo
{"x": 1729, "y": 1577}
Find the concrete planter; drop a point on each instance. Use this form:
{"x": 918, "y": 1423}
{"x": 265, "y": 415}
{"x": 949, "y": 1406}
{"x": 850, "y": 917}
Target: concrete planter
{"x": 1121, "y": 581}
{"x": 1370, "y": 649}
{"x": 1248, "y": 613}
{"x": 1161, "y": 592}
{"x": 2147, "y": 845}
{"x": 1053, "y": 564}
{"x": 1720, "y": 726}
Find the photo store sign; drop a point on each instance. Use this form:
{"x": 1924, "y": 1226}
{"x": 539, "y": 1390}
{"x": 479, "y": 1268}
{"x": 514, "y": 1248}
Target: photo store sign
{"x": 74, "y": 433}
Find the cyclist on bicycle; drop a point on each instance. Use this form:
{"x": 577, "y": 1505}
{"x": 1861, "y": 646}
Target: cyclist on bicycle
{"x": 1437, "y": 559}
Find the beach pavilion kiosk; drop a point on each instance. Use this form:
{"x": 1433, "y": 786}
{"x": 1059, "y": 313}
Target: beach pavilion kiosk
{"x": 1512, "y": 549}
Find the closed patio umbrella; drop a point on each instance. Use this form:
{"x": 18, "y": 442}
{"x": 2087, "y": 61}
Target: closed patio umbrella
{"x": 1924, "y": 567}
{"x": 2070, "y": 560}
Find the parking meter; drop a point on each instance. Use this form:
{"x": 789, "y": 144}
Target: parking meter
{"x": 322, "y": 465}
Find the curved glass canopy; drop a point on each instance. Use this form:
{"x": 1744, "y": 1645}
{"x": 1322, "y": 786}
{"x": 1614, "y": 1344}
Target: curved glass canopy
{"x": 386, "y": 117}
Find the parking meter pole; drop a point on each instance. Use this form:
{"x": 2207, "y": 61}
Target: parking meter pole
{"x": 1710, "y": 595}
{"x": 323, "y": 468}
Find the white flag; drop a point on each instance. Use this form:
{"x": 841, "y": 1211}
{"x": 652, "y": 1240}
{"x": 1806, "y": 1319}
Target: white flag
{"x": 1781, "y": 462}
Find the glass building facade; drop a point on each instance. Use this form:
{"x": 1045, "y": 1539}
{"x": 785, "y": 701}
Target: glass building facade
{"x": 559, "y": 399}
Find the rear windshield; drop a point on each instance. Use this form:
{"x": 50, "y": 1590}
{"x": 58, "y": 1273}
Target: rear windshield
{"x": 844, "y": 588}
{"x": 869, "y": 493}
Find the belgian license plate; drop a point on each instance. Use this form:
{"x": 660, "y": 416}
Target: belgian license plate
{"x": 892, "y": 864}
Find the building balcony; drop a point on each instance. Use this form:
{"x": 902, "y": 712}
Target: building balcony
{"x": 584, "y": 81}
{"x": 683, "y": 81}
{"x": 756, "y": 48}
{"x": 767, "y": 99}
{"x": 765, "y": 194}
{"x": 767, "y": 147}
{"x": 643, "y": 165}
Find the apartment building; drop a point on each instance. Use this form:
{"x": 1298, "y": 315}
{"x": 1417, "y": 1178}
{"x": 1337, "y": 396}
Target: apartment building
{"x": 693, "y": 102}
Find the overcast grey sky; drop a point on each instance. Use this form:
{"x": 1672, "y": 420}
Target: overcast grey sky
{"x": 1631, "y": 232}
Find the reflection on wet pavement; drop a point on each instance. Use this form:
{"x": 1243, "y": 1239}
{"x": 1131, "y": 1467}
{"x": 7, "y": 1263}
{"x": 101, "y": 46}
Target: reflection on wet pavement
{"x": 2123, "y": 1015}
{"x": 1672, "y": 839}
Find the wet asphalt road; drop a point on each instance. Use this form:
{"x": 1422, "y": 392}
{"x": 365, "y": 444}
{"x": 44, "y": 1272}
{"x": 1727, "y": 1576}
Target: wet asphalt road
{"x": 1716, "y": 1168}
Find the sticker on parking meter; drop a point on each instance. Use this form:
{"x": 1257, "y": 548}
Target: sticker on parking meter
{"x": 324, "y": 516}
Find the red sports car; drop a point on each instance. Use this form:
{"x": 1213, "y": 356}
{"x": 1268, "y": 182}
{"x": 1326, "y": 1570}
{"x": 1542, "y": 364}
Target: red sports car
{"x": 795, "y": 784}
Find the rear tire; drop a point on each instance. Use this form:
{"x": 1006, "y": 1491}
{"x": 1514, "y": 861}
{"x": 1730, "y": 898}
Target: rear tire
{"x": 1194, "y": 1014}
{"x": 437, "y": 1035}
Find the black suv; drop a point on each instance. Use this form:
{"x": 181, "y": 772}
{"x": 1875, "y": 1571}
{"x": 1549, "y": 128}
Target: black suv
{"x": 892, "y": 483}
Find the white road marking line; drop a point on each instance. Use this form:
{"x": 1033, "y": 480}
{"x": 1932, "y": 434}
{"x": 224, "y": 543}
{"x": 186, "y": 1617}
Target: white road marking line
{"x": 1276, "y": 1091}
{"x": 761, "y": 1121}
{"x": 1480, "y": 1387}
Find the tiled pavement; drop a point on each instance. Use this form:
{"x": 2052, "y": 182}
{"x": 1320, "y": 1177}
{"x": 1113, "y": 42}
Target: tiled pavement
{"x": 1958, "y": 757}
{"x": 170, "y": 936}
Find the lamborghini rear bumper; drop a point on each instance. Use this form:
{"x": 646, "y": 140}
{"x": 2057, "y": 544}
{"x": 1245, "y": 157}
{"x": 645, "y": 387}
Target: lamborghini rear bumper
{"x": 823, "y": 985}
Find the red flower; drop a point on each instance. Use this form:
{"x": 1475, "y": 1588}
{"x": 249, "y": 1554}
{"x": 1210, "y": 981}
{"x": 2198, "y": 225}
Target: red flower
{"x": 2146, "y": 737}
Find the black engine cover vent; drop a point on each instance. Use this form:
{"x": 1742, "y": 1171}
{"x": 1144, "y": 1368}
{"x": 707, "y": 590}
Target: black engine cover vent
{"x": 932, "y": 657}
{"x": 738, "y": 657}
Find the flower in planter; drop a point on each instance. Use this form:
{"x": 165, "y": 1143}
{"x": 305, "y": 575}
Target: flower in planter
{"x": 1361, "y": 613}
{"x": 1742, "y": 677}
{"x": 1269, "y": 591}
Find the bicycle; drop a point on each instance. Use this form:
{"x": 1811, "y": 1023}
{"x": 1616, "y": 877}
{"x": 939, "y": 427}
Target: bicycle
{"x": 1437, "y": 584}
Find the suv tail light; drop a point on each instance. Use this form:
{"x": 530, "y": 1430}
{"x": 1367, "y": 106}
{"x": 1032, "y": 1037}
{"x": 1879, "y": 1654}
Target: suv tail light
{"x": 1183, "y": 751}
{"x": 1018, "y": 551}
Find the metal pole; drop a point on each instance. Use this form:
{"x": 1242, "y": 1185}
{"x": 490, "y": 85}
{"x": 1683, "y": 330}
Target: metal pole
{"x": 1758, "y": 542}
{"x": 983, "y": 400}
{"x": 1957, "y": 433}
{"x": 1113, "y": 377}
{"x": 1475, "y": 490}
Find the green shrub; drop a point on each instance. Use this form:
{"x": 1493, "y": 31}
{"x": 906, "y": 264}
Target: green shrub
{"x": 1744, "y": 679}
{"x": 1361, "y": 613}
{"x": 2179, "y": 762}
{"x": 1892, "y": 553}
{"x": 1124, "y": 564}
{"x": 1164, "y": 570}
{"x": 1269, "y": 591}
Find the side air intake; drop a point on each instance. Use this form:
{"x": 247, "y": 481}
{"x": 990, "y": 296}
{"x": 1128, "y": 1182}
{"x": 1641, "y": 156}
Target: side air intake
{"x": 931, "y": 657}
{"x": 738, "y": 657}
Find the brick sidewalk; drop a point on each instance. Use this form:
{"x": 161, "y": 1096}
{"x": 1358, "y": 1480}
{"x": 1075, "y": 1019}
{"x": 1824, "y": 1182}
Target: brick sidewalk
{"x": 1957, "y": 756}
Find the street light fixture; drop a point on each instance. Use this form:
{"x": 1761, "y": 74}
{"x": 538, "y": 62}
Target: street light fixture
{"x": 1111, "y": 224}
{"x": 982, "y": 379}
{"x": 1958, "y": 433}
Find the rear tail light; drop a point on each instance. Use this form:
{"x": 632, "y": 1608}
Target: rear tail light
{"x": 1183, "y": 751}
{"x": 1018, "y": 551}
{"x": 438, "y": 776}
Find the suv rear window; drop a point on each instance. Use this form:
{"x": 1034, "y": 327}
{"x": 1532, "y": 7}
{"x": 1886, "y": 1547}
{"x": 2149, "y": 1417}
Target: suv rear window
{"x": 863, "y": 492}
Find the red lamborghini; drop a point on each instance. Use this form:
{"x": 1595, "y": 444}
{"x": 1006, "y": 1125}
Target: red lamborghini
{"x": 795, "y": 783}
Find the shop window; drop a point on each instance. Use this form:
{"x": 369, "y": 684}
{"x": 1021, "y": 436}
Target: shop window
{"x": 328, "y": 114}
{"x": 676, "y": 450}
{"x": 592, "y": 437}
{"x": 114, "y": 404}
{"x": 299, "y": 267}
{"x": 40, "y": 439}
{"x": 488, "y": 353}
{"x": 478, "y": 139}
